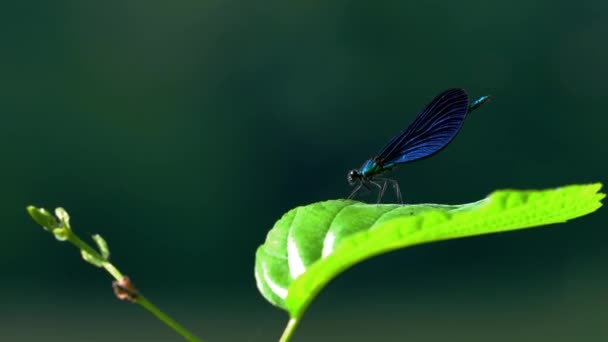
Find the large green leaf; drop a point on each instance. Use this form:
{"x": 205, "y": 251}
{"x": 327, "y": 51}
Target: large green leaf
{"x": 312, "y": 244}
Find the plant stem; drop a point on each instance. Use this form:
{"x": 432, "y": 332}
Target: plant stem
{"x": 141, "y": 300}
{"x": 145, "y": 303}
{"x": 289, "y": 329}
{"x": 113, "y": 270}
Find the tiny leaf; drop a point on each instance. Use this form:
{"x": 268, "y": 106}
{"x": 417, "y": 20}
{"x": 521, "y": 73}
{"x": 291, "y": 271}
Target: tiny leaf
{"x": 91, "y": 259}
{"x": 63, "y": 216}
{"x": 97, "y": 259}
{"x": 102, "y": 246}
{"x": 311, "y": 245}
{"x": 43, "y": 217}
{"x": 61, "y": 233}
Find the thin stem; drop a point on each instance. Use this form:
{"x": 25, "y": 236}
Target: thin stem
{"x": 113, "y": 271}
{"x": 83, "y": 246}
{"x": 141, "y": 300}
{"x": 145, "y": 303}
{"x": 289, "y": 329}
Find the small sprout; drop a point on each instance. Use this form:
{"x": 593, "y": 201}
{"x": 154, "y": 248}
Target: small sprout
{"x": 61, "y": 233}
{"x": 91, "y": 259}
{"x": 43, "y": 218}
{"x": 125, "y": 290}
{"x": 100, "y": 259}
{"x": 63, "y": 216}
{"x": 102, "y": 245}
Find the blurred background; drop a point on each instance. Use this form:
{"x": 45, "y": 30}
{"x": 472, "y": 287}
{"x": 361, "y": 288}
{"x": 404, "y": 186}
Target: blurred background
{"x": 181, "y": 132}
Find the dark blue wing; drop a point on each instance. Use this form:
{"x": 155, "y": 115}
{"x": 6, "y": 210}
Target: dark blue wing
{"x": 432, "y": 130}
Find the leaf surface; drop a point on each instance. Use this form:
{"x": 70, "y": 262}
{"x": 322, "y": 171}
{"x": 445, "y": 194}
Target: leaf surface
{"x": 312, "y": 244}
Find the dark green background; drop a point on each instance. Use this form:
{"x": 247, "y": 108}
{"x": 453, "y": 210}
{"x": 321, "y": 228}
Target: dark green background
{"x": 181, "y": 131}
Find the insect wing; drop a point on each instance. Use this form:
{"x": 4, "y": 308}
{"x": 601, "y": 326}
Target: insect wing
{"x": 432, "y": 130}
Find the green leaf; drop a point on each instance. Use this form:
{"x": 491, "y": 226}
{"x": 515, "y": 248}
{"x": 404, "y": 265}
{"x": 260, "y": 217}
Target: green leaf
{"x": 61, "y": 233}
{"x": 101, "y": 258}
{"x": 102, "y": 246}
{"x": 63, "y": 216}
{"x": 92, "y": 259}
{"x": 311, "y": 245}
{"x": 43, "y": 217}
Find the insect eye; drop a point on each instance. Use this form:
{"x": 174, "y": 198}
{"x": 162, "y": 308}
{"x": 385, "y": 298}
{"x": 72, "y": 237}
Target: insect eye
{"x": 352, "y": 174}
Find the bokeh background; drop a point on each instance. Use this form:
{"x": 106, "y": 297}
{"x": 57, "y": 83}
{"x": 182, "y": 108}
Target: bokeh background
{"x": 182, "y": 131}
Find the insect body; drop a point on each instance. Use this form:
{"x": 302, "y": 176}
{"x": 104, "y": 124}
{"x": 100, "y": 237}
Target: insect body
{"x": 431, "y": 131}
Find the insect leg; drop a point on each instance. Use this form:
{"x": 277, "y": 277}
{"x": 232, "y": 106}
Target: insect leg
{"x": 354, "y": 192}
{"x": 381, "y": 188}
{"x": 395, "y": 186}
{"x": 397, "y": 190}
{"x": 367, "y": 188}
